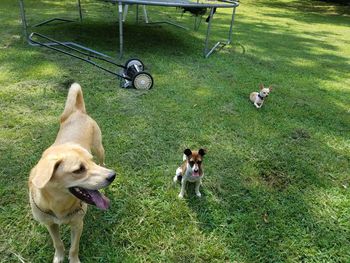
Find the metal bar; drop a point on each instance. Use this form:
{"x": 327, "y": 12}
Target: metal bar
{"x": 208, "y": 31}
{"x": 68, "y": 44}
{"x": 34, "y": 44}
{"x": 120, "y": 14}
{"x": 126, "y": 7}
{"x": 231, "y": 26}
{"x": 88, "y": 49}
{"x": 225, "y": 4}
{"x": 145, "y": 14}
{"x": 80, "y": 12}
{"x": 23, "y": 18}
{"x": 213, "y": 49}
{"x": 137, "y": 13}
{"x": 52, "y": 43}
{"x": 53, "y": 19}
{"x": 75, "y": 56}
{"x": 208, "y": 53}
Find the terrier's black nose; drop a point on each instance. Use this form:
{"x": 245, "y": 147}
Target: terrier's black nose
{"x": 111, "y": 177}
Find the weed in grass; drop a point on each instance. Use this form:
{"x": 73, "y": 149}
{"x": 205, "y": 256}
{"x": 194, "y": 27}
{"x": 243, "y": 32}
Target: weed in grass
{"x": 300, "y": 134}
{"x": 277, "y": 179}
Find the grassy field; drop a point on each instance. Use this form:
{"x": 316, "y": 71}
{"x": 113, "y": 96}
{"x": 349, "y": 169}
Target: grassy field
{"x": 277, "y": 179}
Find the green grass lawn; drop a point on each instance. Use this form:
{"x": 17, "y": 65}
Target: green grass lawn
{"x": 277, "y": 179}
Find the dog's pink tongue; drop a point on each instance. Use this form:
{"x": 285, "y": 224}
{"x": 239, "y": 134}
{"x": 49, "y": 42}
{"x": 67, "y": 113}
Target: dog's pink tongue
{"x": 195, "y": 173}
{"x": 99, "y": 199}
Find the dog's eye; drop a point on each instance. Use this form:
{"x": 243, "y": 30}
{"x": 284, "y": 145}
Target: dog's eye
{"x": 191, "y": 163}
{"x": 199, "y": 162}
{"x": 80, "y": 170}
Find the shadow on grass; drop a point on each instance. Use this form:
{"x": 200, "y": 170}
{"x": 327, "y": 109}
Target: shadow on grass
{"x": 266, "y": 209}
{"x": 313, "y": 11}
{"x": 263, "y": 203}
{"x": 147, "y": 40}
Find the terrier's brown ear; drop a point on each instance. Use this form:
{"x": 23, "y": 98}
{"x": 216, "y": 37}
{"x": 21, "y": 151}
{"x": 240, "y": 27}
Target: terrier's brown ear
{"x": 44, "y": 170}
{"x": 261, "y": 86}
{"x": 202, "y": 152}
{"x": 188, "y": 152}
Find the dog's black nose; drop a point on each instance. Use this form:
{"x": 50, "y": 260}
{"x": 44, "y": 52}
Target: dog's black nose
{"x": 111, "y": 177}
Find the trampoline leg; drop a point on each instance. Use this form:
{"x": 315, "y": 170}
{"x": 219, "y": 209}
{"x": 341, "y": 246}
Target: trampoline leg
{"x": 145, "y": 14}
{"x": 126, "y": 7}
{"x": 25, "y": 24}
{"x": 80, "y": 13}
{"x": 232, "y": 21}
{"x": 137, "y": 13}
{"x": 120, "y": 16}
{"x": 206, "y": 52}
{"x": 24, "y": 20}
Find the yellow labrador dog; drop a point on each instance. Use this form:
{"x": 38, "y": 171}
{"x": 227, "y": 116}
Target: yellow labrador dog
{"x": 66, "y": 178}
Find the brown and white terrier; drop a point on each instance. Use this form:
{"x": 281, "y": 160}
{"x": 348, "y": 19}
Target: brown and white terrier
{"x": 258, "y": 97}
{"x": 191, "y": 170}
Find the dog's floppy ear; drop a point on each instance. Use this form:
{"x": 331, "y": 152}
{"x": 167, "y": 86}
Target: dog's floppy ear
{"x": 44, "y": 170}
{"x": 188, "y": 152}
{"x": 202, "y": 152}
{"x": 261, "y": 86}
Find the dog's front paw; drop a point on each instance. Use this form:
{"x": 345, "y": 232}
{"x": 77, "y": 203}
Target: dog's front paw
{"x": 175, "y": 180}
{"x": 58, "y": 258}
{"x": 181, "y": 196}
{"x": 198, "y": 194}
{"x": 74, "y": 260}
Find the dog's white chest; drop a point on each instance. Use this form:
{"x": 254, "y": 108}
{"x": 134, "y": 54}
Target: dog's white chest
{"x": 258, "y": 100}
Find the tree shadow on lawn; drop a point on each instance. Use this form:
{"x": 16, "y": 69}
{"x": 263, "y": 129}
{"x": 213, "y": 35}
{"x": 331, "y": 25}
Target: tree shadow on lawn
{"x": 148, "y": 40}
{"x": 312, "y": 11}
{"x": 137, "y": 39}
{"x": 104, "y": 36}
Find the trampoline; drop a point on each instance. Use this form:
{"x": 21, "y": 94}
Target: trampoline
{"x": 210, "y": 4}
{"x": 86, "y": 54}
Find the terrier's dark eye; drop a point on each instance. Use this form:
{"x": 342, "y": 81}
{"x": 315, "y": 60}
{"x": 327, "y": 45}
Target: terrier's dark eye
{"x": 80, "y": 170}
{"x": 191, "y": 163}
{"x": 199, "y": 162}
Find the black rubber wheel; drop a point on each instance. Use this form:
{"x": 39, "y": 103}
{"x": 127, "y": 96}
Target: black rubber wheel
{"x": 142, "y": 81}
{"x": 135, "y": 61}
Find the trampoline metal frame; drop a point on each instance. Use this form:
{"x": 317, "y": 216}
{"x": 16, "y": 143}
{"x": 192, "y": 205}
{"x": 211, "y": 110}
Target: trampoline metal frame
{"x": 182, "y": 3}
{"x": 28, "y": 35}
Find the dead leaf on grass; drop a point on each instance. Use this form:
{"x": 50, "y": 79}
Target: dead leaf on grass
{"x": 265, "y": 217}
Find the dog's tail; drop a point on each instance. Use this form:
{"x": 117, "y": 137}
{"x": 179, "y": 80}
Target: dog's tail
{"x": 74, "y": 102}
